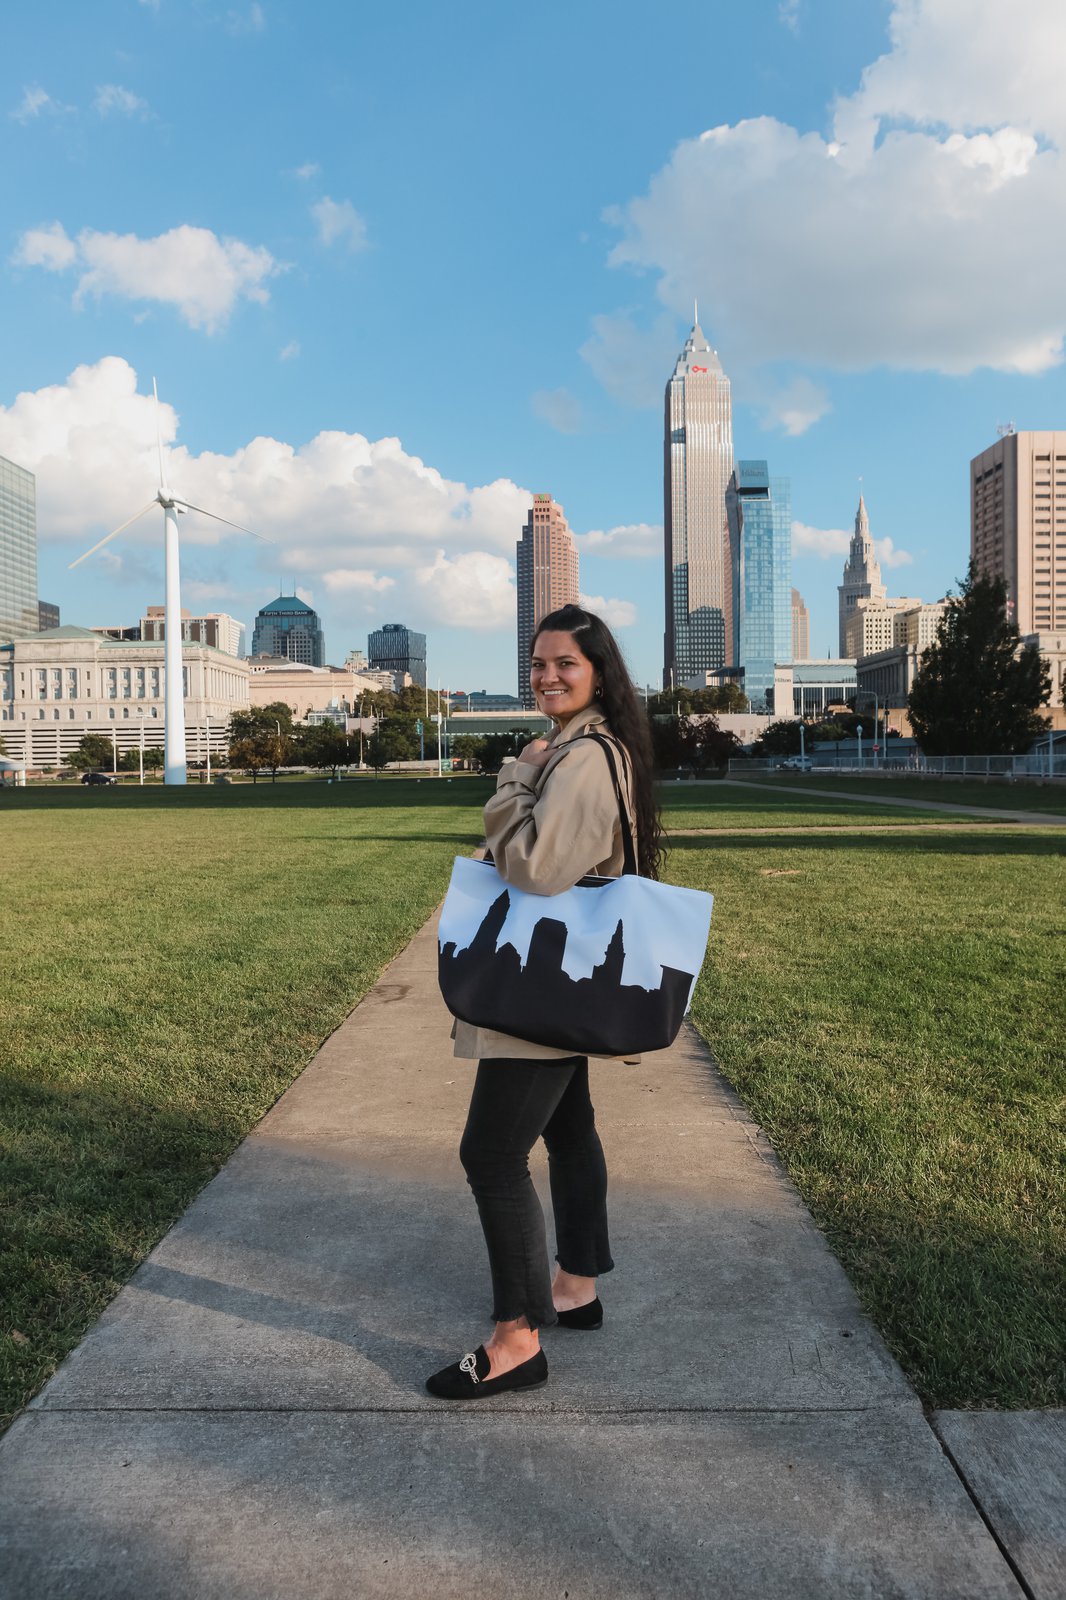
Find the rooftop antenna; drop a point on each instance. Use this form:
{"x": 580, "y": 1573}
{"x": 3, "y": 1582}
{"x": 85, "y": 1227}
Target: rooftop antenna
{"x": 695, "y": 312}
{"x": 174, "y": 766}
{"x": 1005, "y": 430}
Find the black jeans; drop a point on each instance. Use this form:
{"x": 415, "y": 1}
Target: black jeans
{"x": 513, "y": 1105}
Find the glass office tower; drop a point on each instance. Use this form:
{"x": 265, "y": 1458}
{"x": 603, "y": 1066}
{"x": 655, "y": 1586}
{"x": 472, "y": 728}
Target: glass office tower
{"x": 397, "y": 648}
{"x": 290, "y": 628}
{"x": 759, "y": 509}
{"x": 18, "y": 550}
{"x": 698, "y": 459}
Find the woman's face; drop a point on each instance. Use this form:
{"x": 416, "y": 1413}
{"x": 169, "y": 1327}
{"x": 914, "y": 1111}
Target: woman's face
{"x": 563, "y": 680}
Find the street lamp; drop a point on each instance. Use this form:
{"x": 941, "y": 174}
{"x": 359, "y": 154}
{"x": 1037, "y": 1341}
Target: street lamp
{"x": 858, "y": 734}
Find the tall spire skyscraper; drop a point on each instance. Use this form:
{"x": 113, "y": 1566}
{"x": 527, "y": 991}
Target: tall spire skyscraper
{"x": 697, "y": 465}
{"x": 862, "y": 575}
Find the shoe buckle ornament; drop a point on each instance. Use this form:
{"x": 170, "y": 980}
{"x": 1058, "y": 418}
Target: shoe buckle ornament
{"x": 469, "y": 1365}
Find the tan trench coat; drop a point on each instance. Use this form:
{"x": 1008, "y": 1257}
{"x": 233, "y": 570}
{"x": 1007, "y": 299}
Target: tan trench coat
{"x": 547, "y": 827}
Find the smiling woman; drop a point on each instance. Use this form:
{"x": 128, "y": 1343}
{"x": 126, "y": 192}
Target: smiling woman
{"x": 555, "y": 818}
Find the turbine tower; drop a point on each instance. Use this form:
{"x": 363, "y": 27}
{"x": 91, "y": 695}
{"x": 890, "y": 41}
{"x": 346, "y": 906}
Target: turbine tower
{"x": 174, "y": 768}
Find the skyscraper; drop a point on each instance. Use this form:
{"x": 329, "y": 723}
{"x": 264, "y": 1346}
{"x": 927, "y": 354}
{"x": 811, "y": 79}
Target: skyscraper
{"x": 397, "y": 648}
{"x": 801, "y": 628}
{"x": 18, "y": 550}
{"x": 862, "y": 576}
{"x": 759, "y": 510}
{"x": 1018, "y": 524}
{"x": 700, "y": 566}
{"x": 547, "y": 577}
{"x": 287, "y": 627}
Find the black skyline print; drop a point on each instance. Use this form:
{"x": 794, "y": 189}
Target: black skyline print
{"x": 597, "y": 1015}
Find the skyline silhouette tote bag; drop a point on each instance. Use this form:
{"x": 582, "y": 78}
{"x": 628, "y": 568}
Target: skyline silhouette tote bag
{"x": 606, "y": 968}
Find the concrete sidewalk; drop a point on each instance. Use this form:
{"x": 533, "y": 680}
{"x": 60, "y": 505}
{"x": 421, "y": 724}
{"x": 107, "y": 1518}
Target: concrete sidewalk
{"x": 247, "y": 1420}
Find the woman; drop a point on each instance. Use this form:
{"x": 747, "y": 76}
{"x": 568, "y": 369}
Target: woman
{"x": 553, "y": 819}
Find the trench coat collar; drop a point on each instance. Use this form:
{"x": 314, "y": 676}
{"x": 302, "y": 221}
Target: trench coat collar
{"x": 590, "y": 717}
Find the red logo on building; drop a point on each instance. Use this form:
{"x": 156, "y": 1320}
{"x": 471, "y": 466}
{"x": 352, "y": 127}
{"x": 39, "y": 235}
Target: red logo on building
{"x": 699, "y": 369}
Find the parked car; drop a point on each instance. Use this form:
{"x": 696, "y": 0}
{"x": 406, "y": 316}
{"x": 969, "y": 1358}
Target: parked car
{"x": 797, "y": 764}
{"x": 98, "y": 777}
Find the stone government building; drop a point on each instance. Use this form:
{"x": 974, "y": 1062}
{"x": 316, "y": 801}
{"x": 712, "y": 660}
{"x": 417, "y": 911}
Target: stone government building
{"x": 57, "y": 686}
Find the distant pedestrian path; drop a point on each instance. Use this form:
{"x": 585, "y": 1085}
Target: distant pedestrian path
{"x": 1040, "y": 819}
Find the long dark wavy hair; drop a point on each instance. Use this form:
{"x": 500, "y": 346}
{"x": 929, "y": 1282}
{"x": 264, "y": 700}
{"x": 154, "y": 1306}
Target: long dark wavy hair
{"x": 625, "y": 716}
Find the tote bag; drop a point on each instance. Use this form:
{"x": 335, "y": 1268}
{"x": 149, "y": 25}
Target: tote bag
{"x": 605, "y": 968}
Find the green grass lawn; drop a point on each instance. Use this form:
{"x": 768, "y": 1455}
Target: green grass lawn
{"x": 174, "y": 958}
{"x": 890, "y": 1007}
{"x": 892, "y": 1011}
{"x": 1020, "y": 796}
{"x": 725, "y": 805}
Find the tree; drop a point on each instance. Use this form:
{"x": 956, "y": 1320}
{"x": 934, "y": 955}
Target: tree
{"x": 324, "y": 746}
{"x": 976, "y": 692}
{"x": 394, "y": 739}
{"x": 685, "y": 702}
{"x": 468, "y": 748}
{"x": 247, "y": 755}
{"x": 259, "y": 727}
{"x": 154, "y": 758}
{"x": 779, "y": 738}
{"x": 94, "y": 751}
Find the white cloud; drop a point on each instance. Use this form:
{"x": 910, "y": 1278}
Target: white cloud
{"x": 356, "y": 580}
{"x": 310, "y": 169}
{"x": 360, "y": 518}
{"x": 37, "y": 102}
{"x": 827, "y": 543}
{"x": 192, "y": 269}
{"x": 788, "y": 13}
{"x": 616, "y": 613}
{"x": 290, "y": 351}
{"x": 796, "y": 406}
{"x": 252, "y": 20}
{"x": 475, "y": 591}
{"x": 902, "y": 239}
{"x": 111, "y": 97}
{"x": 339, "y": 222}
{"x": 631, "y": 362}
{"x": 558, "y": 408}
{"x": 628, "y": 541}
{"x": 46, "y": 247}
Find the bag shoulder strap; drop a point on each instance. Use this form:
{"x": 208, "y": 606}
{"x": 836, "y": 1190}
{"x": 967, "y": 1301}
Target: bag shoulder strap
{"x": 608, "y": 746}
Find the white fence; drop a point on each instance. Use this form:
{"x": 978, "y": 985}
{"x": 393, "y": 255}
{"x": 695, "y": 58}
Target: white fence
{"x": 1040, "y": 764}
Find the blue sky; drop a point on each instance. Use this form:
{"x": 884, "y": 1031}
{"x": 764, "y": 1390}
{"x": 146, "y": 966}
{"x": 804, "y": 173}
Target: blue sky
{"x": 395, "y": 269}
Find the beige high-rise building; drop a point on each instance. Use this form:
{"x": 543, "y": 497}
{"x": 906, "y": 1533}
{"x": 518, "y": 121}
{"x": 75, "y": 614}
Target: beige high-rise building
{"x": 216, "y": 628}
{"x": 862, "y": 577}
{"x": 801, "y": 628}
{"x": 1018, "y": 524}
{"x": 701, "y": 565}
{"x": 547, "y": 577}
{"x": 872, "y": 626}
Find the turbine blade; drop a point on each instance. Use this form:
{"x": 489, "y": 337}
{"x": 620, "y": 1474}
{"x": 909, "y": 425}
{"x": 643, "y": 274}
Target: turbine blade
{"x": 238, "y": 525}
{"x": 113, "y": 534}
{"x": 159, "y": 439}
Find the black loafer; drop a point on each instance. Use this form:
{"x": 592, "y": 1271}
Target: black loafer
{"x": 590, "y": 1316}
{"x": 468, "y": 1379}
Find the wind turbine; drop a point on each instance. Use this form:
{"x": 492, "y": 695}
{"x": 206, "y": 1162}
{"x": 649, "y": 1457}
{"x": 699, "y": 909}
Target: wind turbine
{"x": 173, "y": 685}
